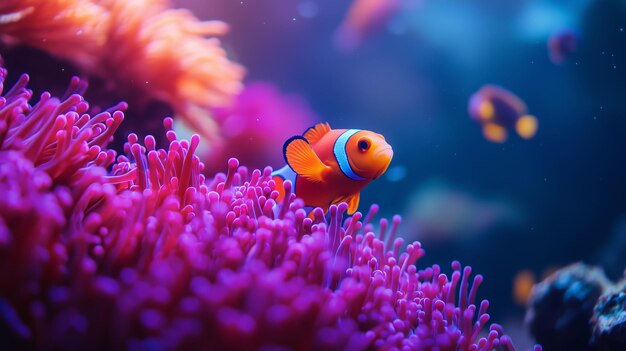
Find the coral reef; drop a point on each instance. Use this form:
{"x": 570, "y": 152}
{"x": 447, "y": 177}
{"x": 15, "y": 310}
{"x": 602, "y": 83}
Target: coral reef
{"x": 99, "y": 251}
{"x": 143, "y": 48}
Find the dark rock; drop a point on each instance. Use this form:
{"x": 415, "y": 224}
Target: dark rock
{"x": 561, "y": 307}
{"x": 609, "y": 320}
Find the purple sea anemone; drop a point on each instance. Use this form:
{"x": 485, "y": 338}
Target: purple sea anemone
{"x": 99, "y": 251}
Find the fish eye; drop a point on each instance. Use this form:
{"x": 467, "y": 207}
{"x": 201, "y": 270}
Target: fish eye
{"x": 363, "y": 145}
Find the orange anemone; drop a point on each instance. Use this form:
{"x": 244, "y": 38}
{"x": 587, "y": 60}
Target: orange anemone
{"x": 141, "y": 46}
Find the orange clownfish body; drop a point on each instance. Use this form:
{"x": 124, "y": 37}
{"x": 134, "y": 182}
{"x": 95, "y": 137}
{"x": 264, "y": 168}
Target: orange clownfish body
{"x": 328, "y": 166}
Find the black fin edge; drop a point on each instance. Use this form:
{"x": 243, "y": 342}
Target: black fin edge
{"x": 289, "y": 141}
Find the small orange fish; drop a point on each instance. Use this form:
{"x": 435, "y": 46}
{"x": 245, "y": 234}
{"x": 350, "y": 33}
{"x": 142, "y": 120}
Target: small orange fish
{"x": 328, "y": 166}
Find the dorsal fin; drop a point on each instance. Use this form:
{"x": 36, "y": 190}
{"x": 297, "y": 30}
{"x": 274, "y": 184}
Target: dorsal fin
{"x": 315, "y": 133}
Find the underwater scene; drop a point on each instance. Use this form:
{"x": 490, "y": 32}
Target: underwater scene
{"x": 312, "y": 175}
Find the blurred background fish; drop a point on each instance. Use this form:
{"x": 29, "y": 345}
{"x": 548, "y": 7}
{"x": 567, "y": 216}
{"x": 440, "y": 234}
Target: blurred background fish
{"x": 497, "y": 110}
{"x": 363, "y": 19}
{"x": 562, "y": 44}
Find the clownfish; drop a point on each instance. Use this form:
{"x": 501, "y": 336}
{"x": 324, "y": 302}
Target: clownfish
{"x": 328, "y": 166}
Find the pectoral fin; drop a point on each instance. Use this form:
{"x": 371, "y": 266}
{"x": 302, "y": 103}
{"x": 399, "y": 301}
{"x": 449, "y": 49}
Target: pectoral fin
{"x": 300, "y": 156}
{"x": 352, "y": 201}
